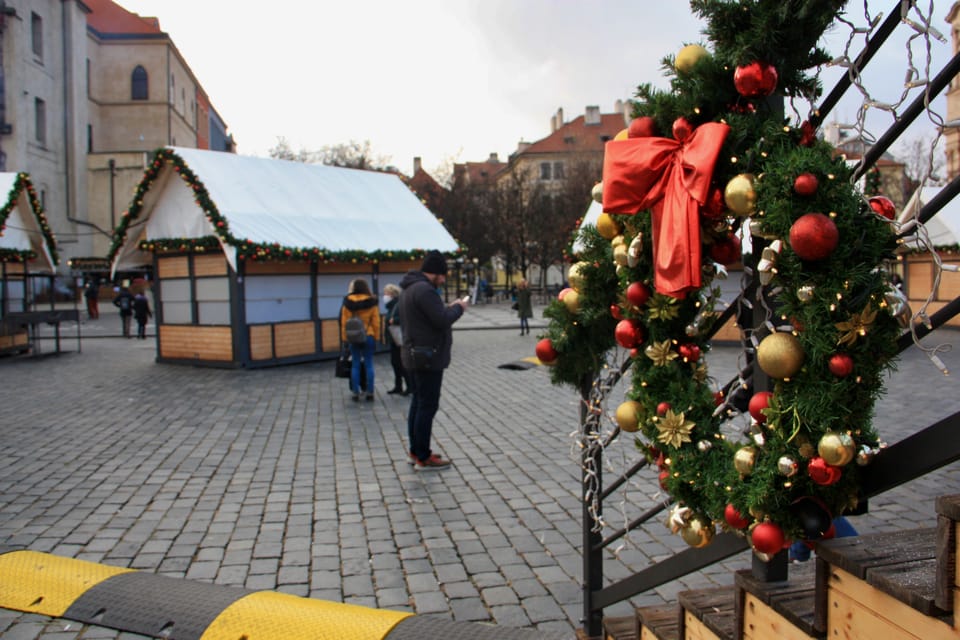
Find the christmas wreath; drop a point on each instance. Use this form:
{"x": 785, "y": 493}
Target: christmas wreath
{"x": 700, "y": 166}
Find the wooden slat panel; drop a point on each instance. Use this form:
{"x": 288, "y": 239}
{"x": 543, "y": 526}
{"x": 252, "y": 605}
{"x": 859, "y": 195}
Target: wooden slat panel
{"x": 694, "y": 629}
{"x": 760, "y": 622}
{"x": 949, "y": 285}
{"x": 619, "y": 628}
{"x": 714, "y": 608}
{"x": 173, "y": 267}
{"x": 359, "y": 268}
{"x": 330, "y": 335}
{"x": 214, "y": 264}
{"x": 946, "y": 561}
{"x": 189, "y": 342}
{"x": 399, "y": 267}
{"x": 273, "y": 268}
{"x": 659, "y": 622}
{"x": 858, "y": 611}
{"x": 792, "y": 599}
{"x": 261, "y": 342}
{"x": 15, "y": 268}
{"x": 294, "y": 339}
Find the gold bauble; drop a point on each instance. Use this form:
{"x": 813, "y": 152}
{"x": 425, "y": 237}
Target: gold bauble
{"x": 617, "y": 241}
{"x": 689, "y": 56}
{"x": 620, "y": 255}
{"x": 837, "y": 449}
{"x": 621, "y": 135}
{"x": 697, "y": 533}
{"x": 780, "y": 355}
{"x": 629, "y": 415}
{"x": 744, "y": 459}
{"x": 607, "y": 227}
{"x": 740, "y": 196}
{"x": 575, "y": 275}
{"x": 572, "y": 301}
{"x": 805, "y": 293}
{"x": 597, "y": 193}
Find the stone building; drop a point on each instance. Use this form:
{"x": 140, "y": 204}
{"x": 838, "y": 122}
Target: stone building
{"x": 88, "y": 90}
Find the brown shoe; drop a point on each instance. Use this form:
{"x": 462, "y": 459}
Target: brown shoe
{"x": 433, "y": 463}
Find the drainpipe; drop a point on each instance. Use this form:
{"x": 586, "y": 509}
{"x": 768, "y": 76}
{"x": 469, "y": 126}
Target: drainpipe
{"x": 5, "y": 128}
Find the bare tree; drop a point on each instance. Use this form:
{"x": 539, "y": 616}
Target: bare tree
{"x": 923, "y": 160}
{"x": 353, "y": 154}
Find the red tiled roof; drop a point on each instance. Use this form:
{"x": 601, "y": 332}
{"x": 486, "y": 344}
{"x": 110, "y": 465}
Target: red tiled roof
{"x": 477, "y": 172}
{"x": 577, "y": 135}
{"x": 108, "y": 17}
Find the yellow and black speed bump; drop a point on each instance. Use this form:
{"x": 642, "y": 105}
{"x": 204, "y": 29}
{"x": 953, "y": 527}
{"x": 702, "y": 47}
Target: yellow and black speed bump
{"x": 154, "y": 605}
{"x": 162, "y": 606}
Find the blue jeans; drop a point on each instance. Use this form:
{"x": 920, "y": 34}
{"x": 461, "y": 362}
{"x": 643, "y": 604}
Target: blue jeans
{"x": 423, "y": 407}
{"x": 364, "y": 351}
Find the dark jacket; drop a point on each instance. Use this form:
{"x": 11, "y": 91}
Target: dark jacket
{"x": 141, "y": 307}
{"x": 124, "y": 302}
{"x": 393, "y": 316}
{"x": 426, "y": 320}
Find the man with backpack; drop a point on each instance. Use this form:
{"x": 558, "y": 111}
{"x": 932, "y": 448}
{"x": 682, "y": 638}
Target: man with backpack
{"x": 124, "y": 302}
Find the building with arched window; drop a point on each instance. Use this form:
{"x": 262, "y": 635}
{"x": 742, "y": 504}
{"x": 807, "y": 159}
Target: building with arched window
{"x": 88, "y": 91}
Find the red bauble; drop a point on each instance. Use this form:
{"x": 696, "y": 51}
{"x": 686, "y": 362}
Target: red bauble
{"x": 718, "y": 398}
{"x": 714, "y": 207}
{"x": 759, "y": 402}
{"x": 689, "y": 352}
{"x": 755, "y": 80}
{"x": 638, "y": 294}
{"x": 628, "y": 334}
{"x": 681, "y": 129}
{"x": 822, "y": 473}
{"x": 726, "y": 250}
{"x": 663, "y": 479}
{"x": 767, "y": 538}
{"x": 734, "y": 519}
{"x": 663, "y": 407}
{"x": 883, "y": 206}
{"x": 545, "y": 351}
{"x": 805, "y": 184}
{"x": 814, "y": 236}
{"x": 841, "y": 365}
{"x": 643, "y": 127}
{"x": 616, "y": 312}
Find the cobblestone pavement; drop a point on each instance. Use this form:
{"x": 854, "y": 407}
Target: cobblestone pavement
{"x": 273, "y": 479}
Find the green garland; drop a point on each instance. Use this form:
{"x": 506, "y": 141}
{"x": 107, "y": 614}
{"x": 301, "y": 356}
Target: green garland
{"x": 21, "y": 183}
{"x": 795, "y": 469}
{"x": 246, "y": 249}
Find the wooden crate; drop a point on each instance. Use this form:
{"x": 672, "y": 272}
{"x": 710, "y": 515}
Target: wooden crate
{"x": 708, "y": 614}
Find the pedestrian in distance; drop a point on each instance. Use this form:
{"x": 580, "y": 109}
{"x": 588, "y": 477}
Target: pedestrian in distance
{"x": 124, "y": 302}
{"x": 401, "y": 379}
{"x": 524, "y": 306}
{"x": 359, "y": 306}
{"x": 141, "y": 311}
{"x": 427, "y": 340}
{"x": 92, "y": 295}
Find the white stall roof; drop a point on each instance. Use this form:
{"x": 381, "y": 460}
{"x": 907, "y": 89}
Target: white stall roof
{"x": 293, "y": 204}
{"x": 21, "y": 228}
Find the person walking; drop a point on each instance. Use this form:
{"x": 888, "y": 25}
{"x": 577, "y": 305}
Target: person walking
{"x": 524, "y": 306}
{"x": 360, "y": 303}
{"x": 391, "y": 297}
{"x": 124, "y": 302}
{"x": 141, "y": 311}
{"x": 427, "y": 340}
{"x": 92, "y": 295}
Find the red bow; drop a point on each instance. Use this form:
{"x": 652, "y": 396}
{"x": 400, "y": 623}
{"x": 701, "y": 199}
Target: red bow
{"x": 672, "y": 179}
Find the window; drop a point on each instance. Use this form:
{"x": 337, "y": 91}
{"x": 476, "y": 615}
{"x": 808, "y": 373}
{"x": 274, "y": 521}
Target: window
{"x": 558, "y": 171}
{"x": 36, "y": 32}
{"x": 139, "y": 84}
{"x": 544, "y": 170}
{"x": 40, "y": 120}
{"x": 89, "y": 138}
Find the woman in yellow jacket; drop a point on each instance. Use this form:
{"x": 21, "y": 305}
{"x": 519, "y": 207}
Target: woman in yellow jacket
{"x": 360, "y": 302}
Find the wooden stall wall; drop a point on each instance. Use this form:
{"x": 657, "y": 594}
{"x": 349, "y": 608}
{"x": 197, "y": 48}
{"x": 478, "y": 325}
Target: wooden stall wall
{"x": 919, "y": 278}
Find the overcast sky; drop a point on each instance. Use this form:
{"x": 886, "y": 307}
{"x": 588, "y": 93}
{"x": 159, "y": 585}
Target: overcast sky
{"x": 448, "y": 79}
